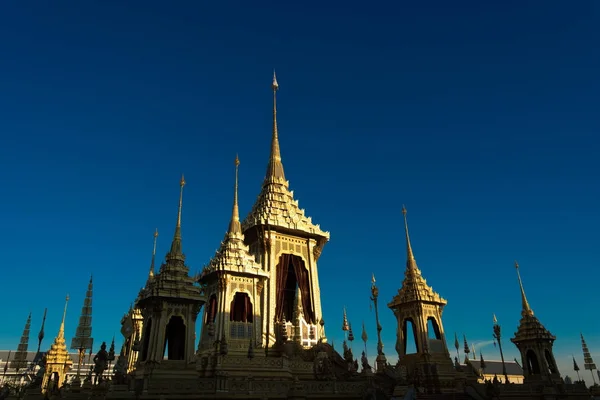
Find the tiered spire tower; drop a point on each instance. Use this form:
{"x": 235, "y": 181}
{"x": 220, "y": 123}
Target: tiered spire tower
{"x": 83, "y": 340}
{"x": 282, "y": 238}
{"x": 535, "y": 343}
{"x": 170, "y": 303}
{"x": 234, "y": 263}
{"x": 419, "y": 306}
{"x": 57, "y": 358}
{"x": 588, "y": 362}
{"x": 20, "y": 359}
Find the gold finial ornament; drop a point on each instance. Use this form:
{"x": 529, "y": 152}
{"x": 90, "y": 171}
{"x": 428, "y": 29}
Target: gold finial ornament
{"x": 151, "y": 273}
{"x": 345, "y": 326}
{"x": 410, "y": 257}
{"x": 275, "y": 172}
{"x": 235, "y": 227}
{"x": 176, "y": 251}
{"x": 275, "y": 85}
{"x": 61, "y": 330}
{"x": 525, "y": 304}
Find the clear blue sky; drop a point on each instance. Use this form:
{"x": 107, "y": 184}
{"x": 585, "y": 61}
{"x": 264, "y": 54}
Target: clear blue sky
{"x": 481, "y": 118}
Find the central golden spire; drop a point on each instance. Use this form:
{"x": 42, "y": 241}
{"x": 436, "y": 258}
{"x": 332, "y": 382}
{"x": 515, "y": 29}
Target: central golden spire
{"x": 526, "y": 308}
{"x": 176, "y": 245}
{"x": 275, "y": 172}
{"x": 411, "y": 263}
{"x": 235, "y": 228}
{"x": 61, "y": 330}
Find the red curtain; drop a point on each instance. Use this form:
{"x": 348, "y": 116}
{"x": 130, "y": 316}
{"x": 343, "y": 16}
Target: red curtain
{"x": 304, "y": 286}
{"x": 240, "y": 308}
{"x": 302, "y": 279}
{"x": 248, "y": 309}
{"x": 212, "y": 309}
{"x": 282, "y": 275}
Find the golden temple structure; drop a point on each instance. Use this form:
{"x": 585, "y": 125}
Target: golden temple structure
{"x": 58, "y": 361}
{"x": 263, "y": 330}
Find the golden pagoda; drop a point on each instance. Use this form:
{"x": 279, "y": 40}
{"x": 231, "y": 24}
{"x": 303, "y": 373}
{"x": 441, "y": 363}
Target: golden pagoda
{"x": 58, "y": 361}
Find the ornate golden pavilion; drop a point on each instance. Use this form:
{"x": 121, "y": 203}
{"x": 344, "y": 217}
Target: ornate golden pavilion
{"x": 263, "y": 332}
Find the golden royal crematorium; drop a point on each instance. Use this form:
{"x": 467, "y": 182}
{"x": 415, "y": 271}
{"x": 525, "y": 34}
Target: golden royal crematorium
{"x": 263, "y": 333}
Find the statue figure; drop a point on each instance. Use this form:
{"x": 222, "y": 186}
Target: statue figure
{"x": 100, "y": 363}
{"x": 120, "y": 368}
{"x": 322, "y": 367}
{"x": 348, "y": 356}
{"x": 365, "y": 363}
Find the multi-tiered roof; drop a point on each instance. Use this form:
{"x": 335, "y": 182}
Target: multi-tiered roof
{"x": 275, "y": 205}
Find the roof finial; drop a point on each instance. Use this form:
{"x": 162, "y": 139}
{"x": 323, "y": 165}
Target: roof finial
{"x": 176, "y": 245}
{"x": 411, "y": 263}
{"x": 345, "y": 326}
{"x": 61, "y": 330}
{"x": 42, "y": 334}
{"x": 526, "y": 309}
{"x": 151, "y": 274}
{"x": 275, "y": 168}
{"x": 235, "y": 227}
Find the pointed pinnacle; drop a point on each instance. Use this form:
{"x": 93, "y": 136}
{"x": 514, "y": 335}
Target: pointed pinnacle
{"x": 524, "y": 303}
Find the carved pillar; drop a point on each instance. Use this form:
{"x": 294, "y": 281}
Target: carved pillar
{"x": 159, "y": 350}
{"x": 400, "y": 337}
{"x": 258, "y": 288}
{"x": 272, "y": 293}
{"x": 313, "y": 254}
{"x": 190, "y": 332}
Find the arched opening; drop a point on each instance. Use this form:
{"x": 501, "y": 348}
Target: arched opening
{"x": 292, "y": 272}
{"x": 533, "y": 364}
{"x": 146, "y": 339}
{"x": 174, "y": 348}
{"x": 211, "y": 311}
{"x": 550, "y": 361}
{"x": 433, "y": 329}
{"x": 241, "y": 308}
{"x": 410, "y": 336}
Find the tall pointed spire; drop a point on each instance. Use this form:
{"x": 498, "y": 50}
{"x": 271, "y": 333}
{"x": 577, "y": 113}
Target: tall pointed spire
{"x": 83, "y": 334}
{"x": 411, "y": 263}
{"x": 588, "y": 362}
{"x": 525, "y": 304}
{"x": 151, "y": 273}
{"x": 275, "y": 172}
{"x": 176, "y": 252}
{"x": 235, "y": 228}
{"x": 42, "y": 334}
{"x": 20, "y": 358}
{"x": 58, "y": 360}
{"x": 61, "y": 330}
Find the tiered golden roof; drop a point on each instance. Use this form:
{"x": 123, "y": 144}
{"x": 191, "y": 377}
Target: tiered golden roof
{"x": 233, "y": 254}
{"x": 173, "y": 278}
{"x": 275, "y": 205}
{"x": 414, "y": 286}
{"x": 530, "y": 328}
{"x": 57, "y": 358}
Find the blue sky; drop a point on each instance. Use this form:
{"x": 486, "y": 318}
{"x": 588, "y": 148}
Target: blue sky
{"x": 481, "y": 118}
